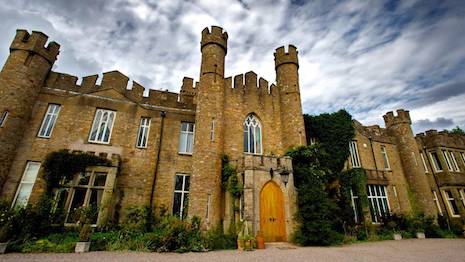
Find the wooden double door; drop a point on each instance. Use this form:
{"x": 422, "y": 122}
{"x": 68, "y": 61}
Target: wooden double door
{"x": 272, "y": 219}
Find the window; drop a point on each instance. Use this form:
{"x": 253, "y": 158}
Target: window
{"x": 455, "y": 165}
{"x": 49, "y": 121}
{"x": 357, "y": 207}
{"x": 379, "y": 205}
{"x": 3, "y": 118}
{"x": 453, "y": 209}
{"x": 436, "y": 163}
{"x": 436, "y": 201}
{"x": 252, "y": 135}
{"x": 462, "y": 196}
{"x": 181, "y": 195}
{"x": 186, "y": 138}
{"x": 385, "y": 158}
{"x": 447, "y": 158}
{"x": 424, "y": 162}
{"x": 354, "y": 154}
{"x": 27, "y": 183}
{"x": 312, "y": 140}
{"x": 463, "y": 157}
{"x": 212, "y": 131}
{"x": 143, "y": 132}
{"x": 85, "y": 190}
{"x": 102, "y": 126}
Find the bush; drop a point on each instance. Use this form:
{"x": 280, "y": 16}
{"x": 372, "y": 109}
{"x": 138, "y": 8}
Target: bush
{"x": 57, "y": 242}
{"x": 215, "y": 239}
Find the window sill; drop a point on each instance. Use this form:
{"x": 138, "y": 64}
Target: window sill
{"x": 253, "y": 154}
{"x": 99, "y": 143}
{"x": 44, "y": 137}
{"x": 184, "y": 154}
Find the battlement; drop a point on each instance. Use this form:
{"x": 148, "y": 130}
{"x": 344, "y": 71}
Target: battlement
{"x": 403, "y": 117}
{"x": 434, "y": 138}
{"x": 282, "y": 57}
{"x": 215, "y": 36}
{"x": 35, "y": 43}
{"x": 247, "y": 83}
{"x": 120, "y": 82}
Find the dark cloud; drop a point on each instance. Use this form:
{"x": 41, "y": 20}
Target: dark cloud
{"x": 439, "y": 123}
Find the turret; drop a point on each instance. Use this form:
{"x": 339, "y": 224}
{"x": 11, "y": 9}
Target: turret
{"x": 400, "y": 127}
{"x": 287, "y": 80}
{"x": 21, "y": 79}
{"x": 208, "y": 141}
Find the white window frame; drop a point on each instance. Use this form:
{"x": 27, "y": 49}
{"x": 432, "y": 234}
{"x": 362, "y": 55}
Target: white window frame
{"x": 354, "y": 156}
{"x": 424, "y": 162}
{"x": 252, "y": 135}
{"x": 184, "y": 148}
{"x": 446, "y": 155}
{"x": 183, "y": 193}
{"x": 354, "y": 207}
{"x": 455, "y": 165}
{"x": 436, "y": 201}
{"x": 3, "y": 118}
{"x": 98, "y": 124}
{"x": 143, "y": 132}
{"x": 436, "y": 161}
{"x": 387, "y": 166}
{"x": 49, "y": 121}
{"x": 463, "y": 157}
{"x": 449, "y": 199}
{"x": 379, "y": 203}
{"x": 23, "y": 182}
{"x": 462, "y": 195}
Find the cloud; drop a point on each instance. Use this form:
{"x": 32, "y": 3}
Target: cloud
{"x": 439, "y": 123}
{"x": 368, "y": 57}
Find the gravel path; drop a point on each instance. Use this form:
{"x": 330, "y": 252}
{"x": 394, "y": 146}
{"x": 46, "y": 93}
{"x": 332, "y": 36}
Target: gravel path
{"x": 404, "y": 250}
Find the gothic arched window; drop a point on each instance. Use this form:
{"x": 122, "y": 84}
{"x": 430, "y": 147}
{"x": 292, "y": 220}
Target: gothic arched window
{"x": 252, "y": 135}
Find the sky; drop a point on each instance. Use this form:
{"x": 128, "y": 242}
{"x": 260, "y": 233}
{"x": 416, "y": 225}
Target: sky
{"x": 368, "y": 57}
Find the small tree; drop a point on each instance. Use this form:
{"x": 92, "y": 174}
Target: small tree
{"x": 458, "y": 131}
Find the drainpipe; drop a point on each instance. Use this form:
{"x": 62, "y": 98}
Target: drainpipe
{"x": 437, "y": 185}
{"x": 160, "y": 137}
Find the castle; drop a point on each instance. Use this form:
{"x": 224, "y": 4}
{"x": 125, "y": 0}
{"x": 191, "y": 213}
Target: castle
{"x": 166, "y": 148}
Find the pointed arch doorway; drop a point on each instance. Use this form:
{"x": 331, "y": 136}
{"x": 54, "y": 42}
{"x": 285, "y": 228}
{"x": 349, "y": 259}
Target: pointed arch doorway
{"x": 272, "y": 219}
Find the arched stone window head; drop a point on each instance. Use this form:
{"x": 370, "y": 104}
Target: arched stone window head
{"x": 252, "y": 135}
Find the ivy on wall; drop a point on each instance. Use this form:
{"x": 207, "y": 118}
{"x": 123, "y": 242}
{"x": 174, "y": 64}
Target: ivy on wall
{"x": 229, "y": 180}
{"x": 324, "y": 188}
{"x": 63, "y": 164}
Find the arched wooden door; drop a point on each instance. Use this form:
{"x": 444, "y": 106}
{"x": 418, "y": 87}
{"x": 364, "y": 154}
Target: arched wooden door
{"x": 272, "y": 223}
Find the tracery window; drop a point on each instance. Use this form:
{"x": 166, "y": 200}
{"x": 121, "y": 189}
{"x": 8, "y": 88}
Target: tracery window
{"x": 252, "y": 135}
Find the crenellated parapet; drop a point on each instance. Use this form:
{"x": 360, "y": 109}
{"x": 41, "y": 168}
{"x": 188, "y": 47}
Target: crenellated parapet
{"x": 35, "y": 43}
{"x": 120, "y": 82}
{"x": 402, "y": 117}
{"x": 433, "y": 138}
{"x": 215, "y": 36}
{"x": 282, "y": 57}
{"x": 247, "y": 83}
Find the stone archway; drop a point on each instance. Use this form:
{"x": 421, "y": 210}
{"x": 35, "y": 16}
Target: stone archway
{"x": 272, "y": 219}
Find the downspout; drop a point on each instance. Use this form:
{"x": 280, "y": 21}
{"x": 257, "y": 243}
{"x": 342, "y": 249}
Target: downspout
{"x": 160, "y": 137}
{"x": 437, "y": 185}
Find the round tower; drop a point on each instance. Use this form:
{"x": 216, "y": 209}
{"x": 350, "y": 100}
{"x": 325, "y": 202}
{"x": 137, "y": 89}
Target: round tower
{"x": 287, "y": 81}
{"x": 205, "y": 185}
{"x": 21, "y": 79}
{"x": 400, "y": 127}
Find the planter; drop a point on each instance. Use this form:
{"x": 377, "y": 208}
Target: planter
{"x": 248, "y": 245}
{"x": 3, "y": 247}
{"x": 82, "y": 247}
{"x": 421, "y": 235}
{"x": 397, "y": 236}
{"x": 260, "y": 242}
{"x": 240, "y": 244}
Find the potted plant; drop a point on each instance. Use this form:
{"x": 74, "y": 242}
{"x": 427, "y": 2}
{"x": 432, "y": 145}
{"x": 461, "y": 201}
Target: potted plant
{"x": 260, "y": 240}
{"x": 240, "y": 241}
{"x": 86, "y": 215}
{"x": 421, "y": 234}
{"x": 248, "y": 241}
{"x": 395, "y": 230}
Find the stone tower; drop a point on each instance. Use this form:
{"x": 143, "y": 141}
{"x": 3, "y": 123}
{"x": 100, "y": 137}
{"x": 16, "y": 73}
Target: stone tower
{"x": 21, "y": 79}
{"x": 400, "y": 127}
{"x": 206, "y": 175}
{"x": 287, "y": 80}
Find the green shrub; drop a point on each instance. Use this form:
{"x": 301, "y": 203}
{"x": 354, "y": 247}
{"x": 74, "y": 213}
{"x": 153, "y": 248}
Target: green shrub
{"x": 216, "y": 239}
{"x": 58, "y": 243}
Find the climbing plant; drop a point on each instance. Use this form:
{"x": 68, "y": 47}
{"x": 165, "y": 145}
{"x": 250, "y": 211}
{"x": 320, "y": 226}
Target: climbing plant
{"x": 229, "y": 180}
{"x": 63, "y": 164}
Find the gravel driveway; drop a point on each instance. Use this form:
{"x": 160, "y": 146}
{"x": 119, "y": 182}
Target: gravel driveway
{"x": 405, "y": 250}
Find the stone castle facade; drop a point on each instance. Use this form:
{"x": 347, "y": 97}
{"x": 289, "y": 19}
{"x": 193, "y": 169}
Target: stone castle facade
{"x": 166, "y": 148}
